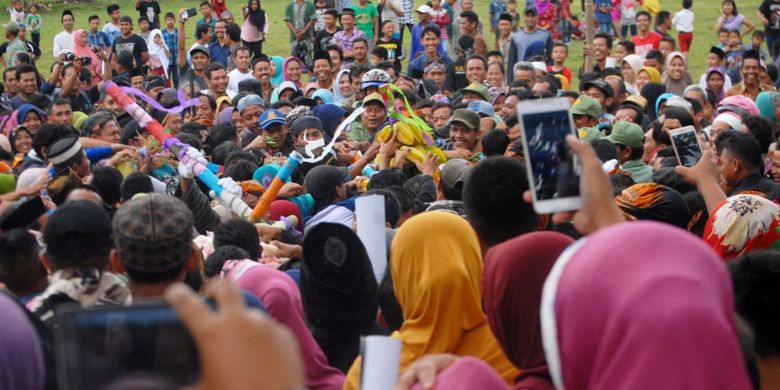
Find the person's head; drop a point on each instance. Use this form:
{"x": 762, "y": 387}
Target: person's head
{"x": 600, "y": 91}
{"x": 322, "y": 67}
{"x": 94, "y": 23}
{"x": 103, "y": 127}
{"x": 126, "y": 26}
{"x": 378, "y": 54}
{"x": 113, "y": 12}
{"x": 750, "y": 68}
{"x": 261, "y": 69}
{"x": 560, "y": 52}
{"x": 21, "y": 270}
{"x": 643, "y": 20}
{"x": 494, "y": 143}
{"x": 219, "y": 29}
{"x": 655, "y": 59}
{"x": 629, "y": 113}
{"x": 741, "y": 157}
{"x": 9, "y": 81}
{"x": 336, "y": 57}
{"x": 755, "y": 279}
{"x": 240, "y": 233}
{"x": 729, "y": 8}
{"x": 469, "y": 22}
{"x": 715, "y": 80}
{"x": 628, "y": 138}
{"x": 170, "y": 20}
{"x": 758, "y": 38}
{"x": 602, "y": 46}
{"x": 143, "y": 23}
{"x": 26, "y": 79}
{"x": 437, "y": 71}
{"x": 203, "y": 33}
{"x": 77, "y": 235}
{"x": 531, "y": 17}
{"x": 375, "y": 112}
{"x": 241, "y": 58}
{"x": 495, "y": 74}
{"x": 67, "y": 20}
{"x": 676, "y": 67}
{"x": 476, "y": 68}
{"x": 306, "y": 129}
{"x": 325, "y": 183}
{"x": 330, "y": 17}
{"x": 205, "y": 9}
{"x": 60, "y": 112}
{"x": 505, "y": 24}
{"x": 153, "y": 240}
{"x": 623, "y": 49}
{"x": 347, "y": 19}
{"x": 212, "y": 265}
{"x": 666, "y": 46}
{"x": 716, "y": 56}
{"x": 360, "y": 49}
{"x": 217, "y": 78}
{"x": 663, "y": 19}
{"x": 464, "y": 129}
{"x": 440, "y": 114}
{"x": 430, "y": 40}
{"x": 524, "y": 71}
{"x": 735, "y": 38}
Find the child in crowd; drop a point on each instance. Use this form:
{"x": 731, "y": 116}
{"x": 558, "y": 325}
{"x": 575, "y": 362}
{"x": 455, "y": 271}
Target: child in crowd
{"x": 34, "y": 23}
{"x": 723, "y": 38}
{"x": 17, "y": 12}
{"x": 495, "y": 9}
{"x": 395, "y": 51}
{"x": 218, "y": 6}
{"x": 441, "y": 17}
{"x": 511, "y": 9}
{"x": 683, "y": 23}
{"x": 627, "y": 18}
{"x": 758, "y": 42}
{"x": 735, "y": 49}
{"x": 320, "y": 6}
{"x": 559, "y": 54}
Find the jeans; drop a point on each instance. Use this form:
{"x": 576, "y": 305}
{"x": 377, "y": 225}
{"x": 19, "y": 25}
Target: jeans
{"x": 624, "y": 29}
{"x": 606, "y": 28}
{"x": 770, "y": 45}
{"x": 565, "y": 28}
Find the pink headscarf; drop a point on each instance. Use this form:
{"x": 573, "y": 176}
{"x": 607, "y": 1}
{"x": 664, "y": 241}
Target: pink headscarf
{"x": 80, "y": 50}
{"x": 284, "y": 70}
{"x": 468, "y": 373}
{"x": 641, "y": 305}
{"x": 282, "y": 299}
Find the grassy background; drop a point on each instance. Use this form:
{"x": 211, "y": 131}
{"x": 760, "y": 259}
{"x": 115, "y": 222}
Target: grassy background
{"x": 278, "y": 41}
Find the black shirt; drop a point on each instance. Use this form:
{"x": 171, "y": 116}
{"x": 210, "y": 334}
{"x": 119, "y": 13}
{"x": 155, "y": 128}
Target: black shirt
{"x": 322, "y": 39}
{"x": 150, "y": 9}
{"x": 135, "y": 45}
{"x": 757, "y": 183}
{"x": 185, "y": 76}
{"x": 456, "y": 76}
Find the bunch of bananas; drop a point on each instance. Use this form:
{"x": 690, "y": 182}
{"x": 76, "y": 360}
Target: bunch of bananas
{"x": 416, "y": 142}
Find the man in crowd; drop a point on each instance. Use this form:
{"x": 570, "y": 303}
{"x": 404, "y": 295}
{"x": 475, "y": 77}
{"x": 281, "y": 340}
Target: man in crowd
{"x": 430, "y": 41}
{"x": 531, "y": 35}
{"x": 645, "y": 39}
{"x": 63, "y": 41}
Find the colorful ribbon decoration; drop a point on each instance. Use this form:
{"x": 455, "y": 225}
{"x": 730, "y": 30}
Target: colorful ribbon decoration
{"x": 185, "y": 104}
{"x": 204, "y": 174}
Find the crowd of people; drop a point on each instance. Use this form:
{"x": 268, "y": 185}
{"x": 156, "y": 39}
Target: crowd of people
{"x": 665, "y": 277}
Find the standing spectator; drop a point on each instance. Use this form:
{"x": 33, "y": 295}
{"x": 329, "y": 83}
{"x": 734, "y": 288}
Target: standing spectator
{"x": 627, "y": 18}
{"x": 683, "y": 23}
{"x": 143, "y": 27}
{"x": 34, "y": 23}
{"x": 530, "y": 35}
{"x": 15, "y": 45}
{"x": 407, "y": 20}
{"x": 112, "y": 26}
{"x": 424, "y": 15}
{"x": 150, "y": 9}
{"x": 218, "y": 7}
{"x": 346, "y": 37}
{"x": 320, "y": 6}
{"x": 159, "y": 54}
{"x": 219, "y": 51}
{"x": 769, "y": 14}
{"x": 63, "y": 41}
{"x": 97, "y": 39}
{"x": 496, "y": 8}
{"x": 504, "y": 39}
{"x": 645, "y": 40}
{"x": 564, "y": 26}
{"x": 17, "y": 12}
{"x": 254, "y": 28}
{"x": 393, "y": 11}
{"x": 469, "y": 25}
{"x": 441, "y": 18}
{"x": 130, "y": 43}
{"x": 731, "y": 19}
{"x": 367, "y": 19}
{"x": 430, "y": 42}
{"x": 299, "y": 17}
{"x": 547, "y": 15}
{"x": 241, "y": 72}
{"x": 171, "y": 38}
{"x": 324, "y": 36}
{"x": 603, "y": 15}
{"x": 388, "y": 41}
{"x": 663, "y": 23}
{"x": 207, "y": 19}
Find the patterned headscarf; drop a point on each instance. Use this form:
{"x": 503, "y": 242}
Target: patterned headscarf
{"x": 742, "y": 223}
{"x": 654, "y": 202}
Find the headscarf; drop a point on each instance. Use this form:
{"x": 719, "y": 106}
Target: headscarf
{"x": 282, "y": 300}
{"x": 158, "y": 51}
{"x": 641, "y": 305}
{"x": 654, "y": 202}
{"x": 742, "y": 223}
{"x": 225, "y": 116}
{"x": 468, "y": 373}
{"x": 284, "y": 70}
{"x": 515, "y": 271}
{"x": 655, "y": 76}
{"x": 651, "y": 92}
{"x": 661, "y": 99}
{"x": 21, "y": 358}
{"x": 636, "y": 63}
{"x": 324, "y": 95}
{"x": 257, "y": 18}
{"x": 436, "y": 268}
{"x": 677, "y": 87}
{"x": 285, "y": 208}
{"x": 337, "y": 96}
{"x": 542, "y": 6}
{"x": 80, "y": 50}
{"x": 278, "y": 77}
{"x": 331, "y": 116}
{"x": 14, "y": 134}
{"x": 718, "y": 70}
{"x": 766, "y": 104}
{"x": 24, "y": 109}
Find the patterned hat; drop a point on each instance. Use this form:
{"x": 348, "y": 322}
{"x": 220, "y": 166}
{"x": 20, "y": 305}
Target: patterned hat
{"x": 153, "y": 233}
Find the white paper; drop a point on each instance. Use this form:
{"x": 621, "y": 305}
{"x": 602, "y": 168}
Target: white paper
{"x": 370, "y": 214}
{"x": 610, "y": 62}
{"x": 381, "y": 361}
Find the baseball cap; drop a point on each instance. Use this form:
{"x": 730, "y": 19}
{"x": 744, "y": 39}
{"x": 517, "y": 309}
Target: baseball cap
{"x": 627, "y": 134}
{"x": 586, "y": 105}
{"x": 467, "y": 117}
{"x": 425, "y": 9}
{"x": 601, "y": 85}
{"x": 479, "y": 89}
{"x": 322, "y": 180}
{"x": 483, "y": 108}
{"x": 530, "y": 8}
{"x": 73, "y": 225}
{"x": 637, "y": 100}
{"x": 455, "y": 171}
{"x": 588, "y": 134}
{"x": 12, "y": 27}
{"x": 249, "y": 100}
{"x": 271, "y": 117}
{"x": 374, "y": 97}
{"x": 200, "y": 48}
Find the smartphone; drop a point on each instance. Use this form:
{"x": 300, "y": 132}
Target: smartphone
{"x": 686, "y": 145}
{"x": 103, "y": 345}
{"x": 553, "y": 168}
{"x": 188, "y": 13}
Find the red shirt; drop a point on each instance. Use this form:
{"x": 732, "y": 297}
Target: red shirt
{"x": 644, "y": 45}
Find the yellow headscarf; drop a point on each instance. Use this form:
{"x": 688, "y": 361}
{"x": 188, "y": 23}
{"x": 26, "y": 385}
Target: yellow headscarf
{"x": 436, "y": 266}
{"x": 655, "y": 75}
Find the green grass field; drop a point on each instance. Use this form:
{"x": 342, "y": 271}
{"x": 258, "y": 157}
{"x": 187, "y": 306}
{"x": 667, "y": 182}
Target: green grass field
{"x": 704, "y": 36}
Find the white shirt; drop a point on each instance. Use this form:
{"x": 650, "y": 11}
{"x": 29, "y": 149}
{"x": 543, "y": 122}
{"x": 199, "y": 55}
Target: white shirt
{"x": 683, "y": 21}
{"x": 235, "y": 77}
{"x": 63, "y": 43}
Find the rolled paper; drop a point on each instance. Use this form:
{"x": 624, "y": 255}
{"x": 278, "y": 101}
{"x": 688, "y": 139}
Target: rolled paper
{"x": 204, "y": 174}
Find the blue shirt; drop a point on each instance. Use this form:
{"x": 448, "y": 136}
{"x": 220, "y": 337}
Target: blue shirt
{"x": 172, "y": 41}
{"x": 602, "y": 17}
{"x": 212, "y": 26}
{"x": 100, "y": 39}
{"x": 417, "y": 47}
{"x": 418, "y": 64}
{"x": 496, "y": 8}
{"x": 219, "y": 53}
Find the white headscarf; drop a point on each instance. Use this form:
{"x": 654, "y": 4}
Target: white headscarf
{"x": 158, "y": 51}
{"x": 338, "y": 98}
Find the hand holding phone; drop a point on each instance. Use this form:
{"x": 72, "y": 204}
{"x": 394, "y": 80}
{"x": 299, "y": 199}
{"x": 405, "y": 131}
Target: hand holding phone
{"x": 685, "y": 143}
{"x": 188, "y": 13}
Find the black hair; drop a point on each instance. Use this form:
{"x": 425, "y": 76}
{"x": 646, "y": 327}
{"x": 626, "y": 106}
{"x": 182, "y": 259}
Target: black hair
{"x": 661, "y": 17}
{"x": 759, "y": 33}
{"x": 386, "y": 178}
{"x": 756, "y": 279}
{"x": 47, "y": 134}
{"x": 570, "y": 94}
{"x": 202, "y": 3}
{"x": 498, "y": 181}
{"x": 723, "y": 136}
{"x": 19, "y": 260}
{"x": 680, "y": 114}
{"x": 356, "y": 70}
{"x": 348, "y": 11}
{"x": 233, "y": 31}
{"x": 169, "y": 15}
{"x": 214, "y": 66}
{"x": 392, "y": 207}
{"x": 552, "y": 81}
{"x": 220, "y": 133}
{"x": 695, "y": 105}
{"x": 201, "y": 30}
{"x": 220, "y": 153}
{"x": 26, "y": 68}
{"x": 378, "y": 51}
{"x": 337, "y": 49}
{"x": 108, "y": 184}
{"x": 67, "y": 12}
{"x": 605, "y": 149}
{"x": 142, "y": 19}
{"x": 772, "y": 72}
{"x": 240, "y": 170}
{"x": 712, "y": 98}
{"x": 687, "y": 4}
{"x": 240, "y": 233}
{"x": 282, "y": 104}
{"x": 733, "y": 5}
{"x": 645, "y": 13}
{"x": 431, "y": 29}
{"x": 404, "y": 196}
{"x": 471, "y": 16}
{"x": 190, "y": 139}
{"x": 606, "y": 37}
{"x": 670, "y": 40}
{"x": 388, "y": 303}
{"x": 193, "y": 128}
{"x": 761, "y": 128}
{"x": 745, "y": 148}
{"x": 495, "y": 143}
{"x": 478, "y": 57}
{"x": 655, "y": 55}
{"x": 735, "y": 31}
{"x": 361, "y": 39}
{"x": 92, "y": 17}
{"x": 639, "y": 114}
{"x": 636, "y": 152}
{"x": 630, "y": 46}
{"x": 135, "y": 183}
{"x": 243, "y": 155}
{"x": 332, "y": 12}
{"x": 212, "y": 265}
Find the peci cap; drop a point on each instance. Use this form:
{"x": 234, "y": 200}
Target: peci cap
{"x": 301, "y": 123}
{"x": 468, "y": 118}
{"x": 272, "y": 117}
{"x": 627, "y": 134}
{"x": 586, "y": 105}
{"x": 455, "y": 171}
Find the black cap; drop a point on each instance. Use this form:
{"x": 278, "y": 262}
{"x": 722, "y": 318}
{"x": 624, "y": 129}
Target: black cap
{"x": 530, "y": 9}
{"x": 154, "y": 82}
{"x": 75, "y": 222}
{"x": 601, "y": 85}
{"x": 251, "y": 85}
{"x": 301, "y": 123}
{"x": 322, "y": 181}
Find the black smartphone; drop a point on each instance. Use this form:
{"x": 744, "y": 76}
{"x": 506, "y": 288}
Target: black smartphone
{"x": 188, "y": 13}
{"x": 686, "y": 145}
{"x": 104, "y": 345}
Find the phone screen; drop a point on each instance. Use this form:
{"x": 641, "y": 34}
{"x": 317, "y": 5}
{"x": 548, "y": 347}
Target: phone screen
{"x": 98, "y": 347}
{"x": 554, "y": 171}
{"x": 687, "y": 146}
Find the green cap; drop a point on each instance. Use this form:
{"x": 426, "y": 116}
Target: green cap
{"x": 468, "y": 118}
{"x": 479, "y": 89}
{"x": 586, "y": 105}
{"x": 627, "y": 134}
{"x": 588, "y": 134}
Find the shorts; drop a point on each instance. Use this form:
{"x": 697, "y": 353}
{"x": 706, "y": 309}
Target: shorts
{"x": 685, "y": 39}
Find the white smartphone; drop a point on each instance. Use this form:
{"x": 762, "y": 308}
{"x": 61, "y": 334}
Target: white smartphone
{"x": 553, "y": 168}
{"x": 686, "y": 145}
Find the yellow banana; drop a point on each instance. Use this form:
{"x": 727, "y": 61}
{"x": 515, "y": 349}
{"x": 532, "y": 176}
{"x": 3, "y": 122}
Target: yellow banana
{"x": 404, "y": 133}
{"x": 415, "y": 154}
{"x": 385, "y": 134}
{"x": 438, "y": 153}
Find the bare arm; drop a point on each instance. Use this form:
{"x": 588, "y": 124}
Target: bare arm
{"x": 750, "y": 26}
{"x": 67, "y": 86}
{"x": 181, "y": 59}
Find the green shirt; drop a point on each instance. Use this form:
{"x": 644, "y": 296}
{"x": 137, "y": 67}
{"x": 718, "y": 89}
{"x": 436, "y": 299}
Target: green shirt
{"x": 358, "y": 132}
{"x": 14, "y": 47}
{"x": 364, "y": 19}
{"x": 34, "y": 23}
{"x": 300, "y": 14}
{"x": 640, "y": 172}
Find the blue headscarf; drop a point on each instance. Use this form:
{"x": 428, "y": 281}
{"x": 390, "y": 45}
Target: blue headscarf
{"x": 324, "y": 95}
{"x": 331, "y": 116}
{"x": 25, "y": 109}
{"x": 664, "y": 97}
{"x": 278, "y": 77}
